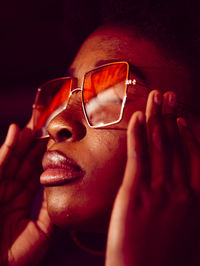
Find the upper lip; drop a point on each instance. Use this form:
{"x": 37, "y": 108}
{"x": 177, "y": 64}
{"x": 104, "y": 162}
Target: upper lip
{"x": 57, "y": 159}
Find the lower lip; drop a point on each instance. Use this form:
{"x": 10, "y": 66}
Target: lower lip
{"x": 59, "y": 176}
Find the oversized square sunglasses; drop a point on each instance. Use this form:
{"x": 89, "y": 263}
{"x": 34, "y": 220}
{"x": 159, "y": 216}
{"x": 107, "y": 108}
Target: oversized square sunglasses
{"x": 103, "y": 94}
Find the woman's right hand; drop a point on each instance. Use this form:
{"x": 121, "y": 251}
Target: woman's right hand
{"x": 23, "y": 241}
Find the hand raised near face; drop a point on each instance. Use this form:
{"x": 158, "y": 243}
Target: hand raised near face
{"x": 22, "y": 241}
{"x": 156, "y": 215}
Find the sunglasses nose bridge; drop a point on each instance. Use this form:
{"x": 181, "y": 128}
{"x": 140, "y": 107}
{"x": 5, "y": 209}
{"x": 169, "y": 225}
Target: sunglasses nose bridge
{"x": 70, "y": 94}
{"x": 74, "y": 90}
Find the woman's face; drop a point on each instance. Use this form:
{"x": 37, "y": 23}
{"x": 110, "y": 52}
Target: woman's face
{"x": 85, "y": 203}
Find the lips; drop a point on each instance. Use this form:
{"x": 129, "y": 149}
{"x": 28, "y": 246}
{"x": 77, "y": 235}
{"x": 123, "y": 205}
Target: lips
{"x": 59, "y": 169}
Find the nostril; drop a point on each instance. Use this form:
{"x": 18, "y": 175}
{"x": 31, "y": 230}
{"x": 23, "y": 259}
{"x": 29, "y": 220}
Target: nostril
{"x": 64, "y": 134}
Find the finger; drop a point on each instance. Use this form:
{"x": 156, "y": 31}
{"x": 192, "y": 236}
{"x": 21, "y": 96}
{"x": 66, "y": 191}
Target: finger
{"x": 169, "y": 116}
{"x": 174, "y": 149}
{"x": 9, "y": 143}
{"x": 21, "y": 167}
{"x": 28, "y": 173}
{"x": 20, "y": 193}
{"x": 44, "y": 221}
{"x": 25, "y": 142}
{"x": 33, "y": 161}
{"x": 156, "y": 143}
{"x": 193, "y": 151}
{"x": 30, "y": 123}
{"x": 136, "y": 166}
{"x": 126, "y": 199}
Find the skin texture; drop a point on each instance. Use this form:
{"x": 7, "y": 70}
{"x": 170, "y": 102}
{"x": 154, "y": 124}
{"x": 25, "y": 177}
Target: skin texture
{"x": 153, "y": 185}
{"x": 102, "y": 152}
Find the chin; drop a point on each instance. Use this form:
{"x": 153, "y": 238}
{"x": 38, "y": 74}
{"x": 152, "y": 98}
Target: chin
{"x": 77, "y": 215}
{"x": 75, "y": 222}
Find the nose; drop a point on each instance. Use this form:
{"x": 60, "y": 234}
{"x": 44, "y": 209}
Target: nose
{"x": 69, "y": 125}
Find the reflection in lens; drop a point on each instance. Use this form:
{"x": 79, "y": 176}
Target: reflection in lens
{"x": 103, "y": 94}
{"x": 52, "y": 99}
{"x": 106, "y": 106}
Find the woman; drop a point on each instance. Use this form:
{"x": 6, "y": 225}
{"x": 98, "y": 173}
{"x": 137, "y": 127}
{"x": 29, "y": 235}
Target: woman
{"x": 145, "y": 162}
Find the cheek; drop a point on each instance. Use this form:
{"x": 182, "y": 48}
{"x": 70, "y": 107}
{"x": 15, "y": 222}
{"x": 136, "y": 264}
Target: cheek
{"x": 105, "y": 174}
{"x": 109, "y": 163}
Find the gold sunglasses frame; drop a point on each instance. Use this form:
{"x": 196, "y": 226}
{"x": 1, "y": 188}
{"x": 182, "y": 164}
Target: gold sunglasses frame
{"x": 127, "y": 82}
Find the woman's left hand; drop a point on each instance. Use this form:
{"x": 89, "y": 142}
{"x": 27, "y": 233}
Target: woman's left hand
{"x": 156, "y": 215}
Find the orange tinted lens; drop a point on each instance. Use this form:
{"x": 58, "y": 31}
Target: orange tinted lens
{"x": 103, "y": 90}
{"x": 103, "y": 78}
{"x": 51, "y": 100}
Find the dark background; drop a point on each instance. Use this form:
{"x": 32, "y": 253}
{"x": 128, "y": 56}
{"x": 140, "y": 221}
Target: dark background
{"x": 38, "y": 42}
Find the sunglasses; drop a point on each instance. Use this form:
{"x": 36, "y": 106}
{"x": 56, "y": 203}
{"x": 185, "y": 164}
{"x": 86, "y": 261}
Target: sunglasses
{"x": 103, "y": 94}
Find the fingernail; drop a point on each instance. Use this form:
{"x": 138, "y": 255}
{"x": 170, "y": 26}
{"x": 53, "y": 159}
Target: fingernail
{"x": 157, "y": 98}
{"x": 171, "y": 99}
{"x": 140, "y": 118}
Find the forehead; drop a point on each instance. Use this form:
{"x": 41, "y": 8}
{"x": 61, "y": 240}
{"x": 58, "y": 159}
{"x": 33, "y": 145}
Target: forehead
{"x": 114, "y": 43}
